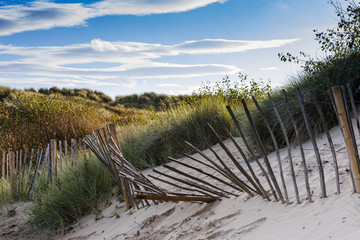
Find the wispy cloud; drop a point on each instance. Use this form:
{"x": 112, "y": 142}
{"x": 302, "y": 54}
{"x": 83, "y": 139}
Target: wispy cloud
{"x": 127, "y": 61}
{"x": 170, "y": 85}
{"x": 42, "y": 14}
{"x": 268, "y": 68}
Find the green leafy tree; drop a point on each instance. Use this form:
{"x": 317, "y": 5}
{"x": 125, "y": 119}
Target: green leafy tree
{"x": 336, "y": 43}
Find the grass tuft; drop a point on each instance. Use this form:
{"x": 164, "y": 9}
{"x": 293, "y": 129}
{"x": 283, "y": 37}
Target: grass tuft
{"x": 77, "y": 193}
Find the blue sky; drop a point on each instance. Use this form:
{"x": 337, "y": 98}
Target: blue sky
{"x": 134, "y": 46}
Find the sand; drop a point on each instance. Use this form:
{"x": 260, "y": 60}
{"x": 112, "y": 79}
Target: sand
{"x": 242, "y": 217}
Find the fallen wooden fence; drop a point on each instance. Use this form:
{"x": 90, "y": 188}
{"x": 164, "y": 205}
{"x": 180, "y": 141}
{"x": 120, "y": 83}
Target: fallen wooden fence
{"x": 241, "y": 180}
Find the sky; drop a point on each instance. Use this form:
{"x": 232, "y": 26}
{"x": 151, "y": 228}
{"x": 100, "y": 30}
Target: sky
{"x": 122, "y": 47}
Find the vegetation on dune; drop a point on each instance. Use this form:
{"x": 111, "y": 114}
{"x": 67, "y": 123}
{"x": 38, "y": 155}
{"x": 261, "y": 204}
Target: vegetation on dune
{"x": 83, "y": 93}
{"x": 149, "y": 100}
{"x": 77, "y": 193}
{"x": 31, "y": 120}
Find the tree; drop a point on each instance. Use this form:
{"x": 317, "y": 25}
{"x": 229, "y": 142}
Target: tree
{"x": 337, "y": 42}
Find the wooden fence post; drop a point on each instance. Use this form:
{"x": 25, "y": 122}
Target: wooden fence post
{"x": 53, "y": 161}
{"x": 347, "y": 135}
{"x": 60, "y": 156}
{"x": 313, "y": 141}
{"x": 3, "y": 165}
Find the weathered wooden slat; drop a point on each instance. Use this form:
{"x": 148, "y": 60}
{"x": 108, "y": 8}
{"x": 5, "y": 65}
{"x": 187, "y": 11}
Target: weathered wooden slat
{"x": 29, "y": 170}
{"x": 261, "y": 189}
{"x": 263, "y": 153}
{"x": 224, "y": 169}
{"x": 347, "y": 111}
{"x": 66, "y": 155}
{"x": 72, "y": 154}
{"x": 251, "y": 152}
{"x": 291, "y": 164}
{"x": 344, "y": 121}
{"x": 331, "y": 144}
{"x": 277, "y": 152}
{"x": 233, "y": 159}
{"x": 332, "y": 100}
{"x": 180, "y": 186}
{"x": 356, "y": 116}
{"x": 190, "y": 183}
{"x": 175, "y": 198}
{"x": 292, "y": 119}
{"x": 313, "y": 141}
{"x": 3, "y": 165}
{"x": 182, "y": 173}
{"x": 205, "y": 173}
{"x": 38, "y": 162}
{"x": 60, "y": 157}
{"x": 53, "y": 161}
{"x": 23, "y": 171}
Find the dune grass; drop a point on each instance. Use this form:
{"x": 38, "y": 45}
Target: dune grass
{"x": 148, "y": 145}
{"x": 76, "y": 193}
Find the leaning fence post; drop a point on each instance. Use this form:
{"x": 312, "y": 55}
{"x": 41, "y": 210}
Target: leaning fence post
{"x": 60, "y": 157}
{"x": 347, "y": 135}
{"x": 29, "y": 170}
{"x": 65, "y": 152}
{"x": 53, "y": 162}
{"x": 3, "y": 165}
{"x": 72, "y": 154}
{"x": 313, "y": 141}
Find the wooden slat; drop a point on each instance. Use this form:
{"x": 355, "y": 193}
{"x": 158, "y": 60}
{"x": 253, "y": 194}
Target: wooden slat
{"x": 175, "y": 198}
{"x": 277, "y": 152}
{"x": 29, "y": 170}
{"x": 261, "y": 189}
{"x": 223, "y": 169}
{"x": 3, "y": 165}
{"x": 205, "y": 173}
{"x": 347, "y": 135}
{"x": 263, "y": 153}
{"x": 292, "y": 119}
{"x": 197, "y": 179}
{"x": 331, "y": 144}
{"x": 251, "y": 152}
{"x": 291, "y": 164}
{"x": 233, "y": 159}
{"x": 313, "y": 141}
{"x": 190, "y": 183}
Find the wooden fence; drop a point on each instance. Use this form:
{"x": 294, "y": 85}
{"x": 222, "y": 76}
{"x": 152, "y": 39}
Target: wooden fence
{"x": 241, "y": 177}
{"x": 23, "y": 171}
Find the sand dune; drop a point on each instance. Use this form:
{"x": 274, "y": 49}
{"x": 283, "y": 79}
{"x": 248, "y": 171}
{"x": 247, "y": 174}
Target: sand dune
{"x": 334, "y": 217}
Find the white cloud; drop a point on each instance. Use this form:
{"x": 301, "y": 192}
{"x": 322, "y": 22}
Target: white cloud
{"x": 45, "y": 15}
{"x": 102, "y": 46}
{"x": 268, "y": 68}
{"x": 126, "y": 61}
